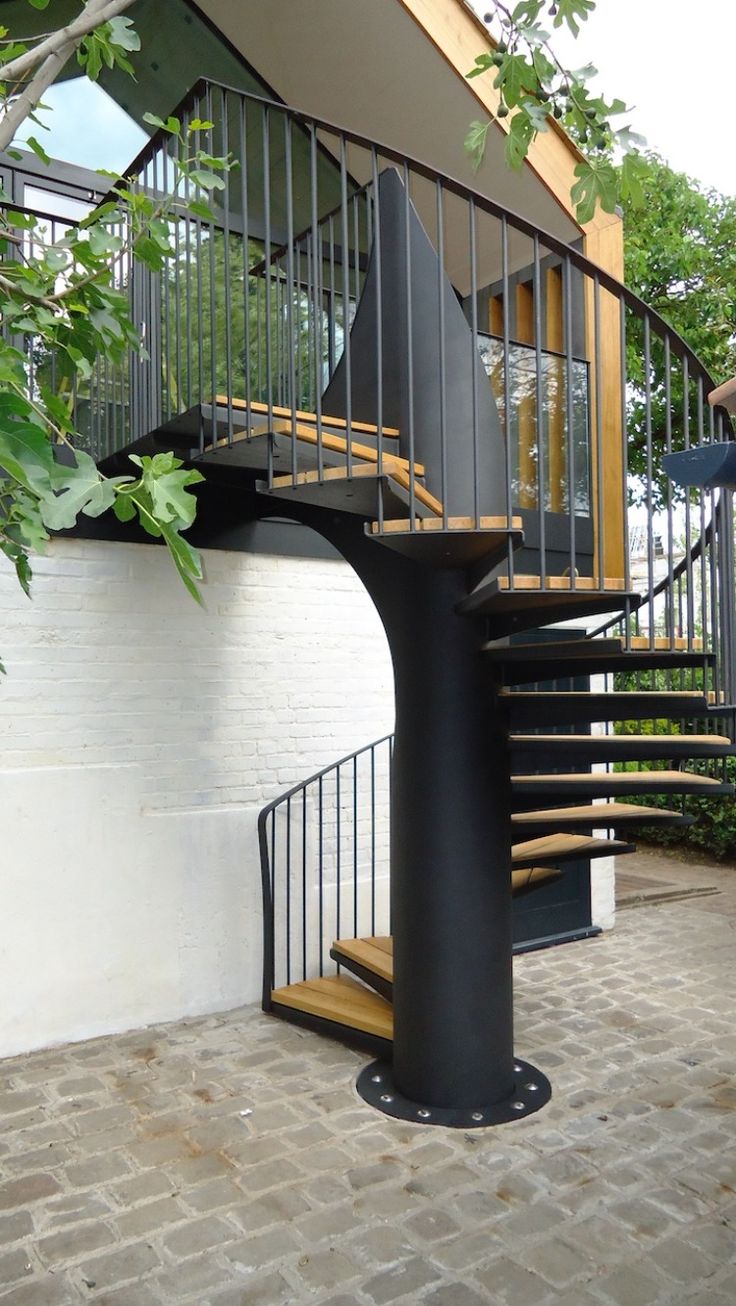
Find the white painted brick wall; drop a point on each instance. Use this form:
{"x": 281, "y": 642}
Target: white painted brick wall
{"x": 141, "y": 736}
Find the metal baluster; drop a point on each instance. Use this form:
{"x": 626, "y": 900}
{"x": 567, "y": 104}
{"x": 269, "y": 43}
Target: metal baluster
{"x": 355, "y": 845}
{"x": 442, "y": 348}
{"x": 244, "y": 197}
{"x": 288, "y": 891}
{"x": 650, "y": 472}
{"x": 225, "y": 193}
{"x": 601, "y": 523}
{"x": 379, "y": 324}
{"x": 625, "y": 471}
{"x": 570, "y": 419}
{"x": 317, "y": 288}
{"x": 321, "y": 870}
{"x": 304, "y": 882}
{"x": 373, "y": 840}
{"x": 409, "y": 348}
{"x": 473, "y": 250}
{"x": 510, "y": 455}
{"x": 291, "y": 374}
{"x": 266, "y": 147}
{"x": 346, "y": 308}
{"x": 539, "y": 423}
{"x": 688, "y": 523}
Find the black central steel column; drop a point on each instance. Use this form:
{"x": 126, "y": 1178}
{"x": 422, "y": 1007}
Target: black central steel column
{"x": 450, "y": 860}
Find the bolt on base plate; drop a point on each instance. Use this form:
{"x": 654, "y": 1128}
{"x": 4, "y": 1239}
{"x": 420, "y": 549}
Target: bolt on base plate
{"x": 531, "y": 1091}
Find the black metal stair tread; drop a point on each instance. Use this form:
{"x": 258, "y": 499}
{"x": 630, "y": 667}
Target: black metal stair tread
{"x": 543, "y": 707}
{"x": 604, "y": 783}
{"x": 456, "y": 543}
{"x": 623, "y": 748}
{"x": 533, "y": 670}
{"x": 567, "y": 847}
{"x": 595, "y": 816}
{"x": 521, "y": 593}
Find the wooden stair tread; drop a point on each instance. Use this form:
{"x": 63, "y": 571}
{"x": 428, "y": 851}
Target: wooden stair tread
{"x": 676, "y": 642}
{"x": 616, "y": 695}
{"x": 341, "y": 1000}
{"x": 619, "y": 779}
{"x": 596, "y": 814}
{"x": 557, "y": 846}
{"x": 374, "y": 954}
{"x": 302, "y": 416}
{"x": 583, "y": 584}
{"x": 403, "y": 526}
{"x": 615, "y": 740}
{"x": 334, "y": 443}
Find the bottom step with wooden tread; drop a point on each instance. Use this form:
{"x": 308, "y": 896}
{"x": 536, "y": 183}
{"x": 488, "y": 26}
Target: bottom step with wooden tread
{"x": 339, "y": 1001}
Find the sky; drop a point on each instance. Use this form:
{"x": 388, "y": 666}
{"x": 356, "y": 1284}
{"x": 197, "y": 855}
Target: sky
{"x": 674, "y": 61}
{"x": 86, "y": 127}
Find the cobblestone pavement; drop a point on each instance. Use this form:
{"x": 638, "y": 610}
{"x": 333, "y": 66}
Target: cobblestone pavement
{"x": 227, "y": 1160}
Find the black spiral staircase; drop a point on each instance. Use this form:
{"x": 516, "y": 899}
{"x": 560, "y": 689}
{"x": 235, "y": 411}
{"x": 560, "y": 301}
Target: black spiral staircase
{"x": 448, "y": 396}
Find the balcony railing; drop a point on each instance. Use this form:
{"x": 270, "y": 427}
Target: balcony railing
{"x": 340, "y": 278}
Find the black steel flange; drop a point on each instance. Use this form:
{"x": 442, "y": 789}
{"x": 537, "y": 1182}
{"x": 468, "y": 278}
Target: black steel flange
{"x": 531, "y": 1091}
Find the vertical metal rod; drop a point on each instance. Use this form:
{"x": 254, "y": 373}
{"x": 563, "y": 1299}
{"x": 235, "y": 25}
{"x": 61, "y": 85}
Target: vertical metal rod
{"x": 226, "y": 267}
{"x": 510, "y": 455}
{"x": 321, "y": 871}
{"x": 539, "y": 424}
{"x": 243, "y": 160}
{"x": 291, "y": 374}
{"x": 473, "y": 250}
{"x": 266, "y": 146}
{"x": 213, "y": 289}
{"x": 600, "y": 466}
{"x": 570, "y": 419}
{"x": 376, "y": 209}
{"x": 625, "y": 470}
{"x": 649, "y": 473}
{"x": 688, "y": 522}
{"x": 288, "y": 891}
{"x": 272, "y": 923}
{"x": 304, "y": 882}
{"x": 373, "y": 840}
{"x": 338, "y": 853}
{"x": 409, "y": 347}
{"x": 317, "y": 280}
{"x": 344, "y": 237}
{"x": 442, "y": 348}
{"x": 355, "y": 845}
{"x": 670, "y": 490}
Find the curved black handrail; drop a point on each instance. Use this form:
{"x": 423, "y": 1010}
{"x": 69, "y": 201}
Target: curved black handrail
{"x": 265, "y": 857}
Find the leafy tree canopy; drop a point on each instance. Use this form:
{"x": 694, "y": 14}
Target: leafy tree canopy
{"x": 535, "y": 87}
{"x": 63, "y": 296}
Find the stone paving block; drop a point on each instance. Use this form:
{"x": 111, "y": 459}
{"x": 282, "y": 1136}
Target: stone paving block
{"x": 96, "y": 1170}
{"x": 455, "y": 1294}
{"x": 120, "y": 1266}
{"x": 15, "y": 1265}
{"x": 266, "y": 1290}
{"x": 261, "y": 1249}
{"x": 681, "y": 1261}
{"x": 509, "y": 1284}
{"x": 46, "y": 1291}
{"x": 150, "y": 1218}
{"x": 401, "y": 1281}
{"x": 629, "y": 1287}
{"x": 29, "y": 1188}
{"x": 557, "y": 1261}
{"x": 432, "y": 1224}
{"x": 72, "y": 1244}
{"x": 14, "y": 1227}
{"x": 326, "y": 1269}
{"x": 202, "y": 1235}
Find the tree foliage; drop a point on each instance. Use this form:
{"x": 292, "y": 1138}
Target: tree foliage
{"x": 534, "y": 88}
{"x": 680, "y": 257}
{"x": 63, "y": 297}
